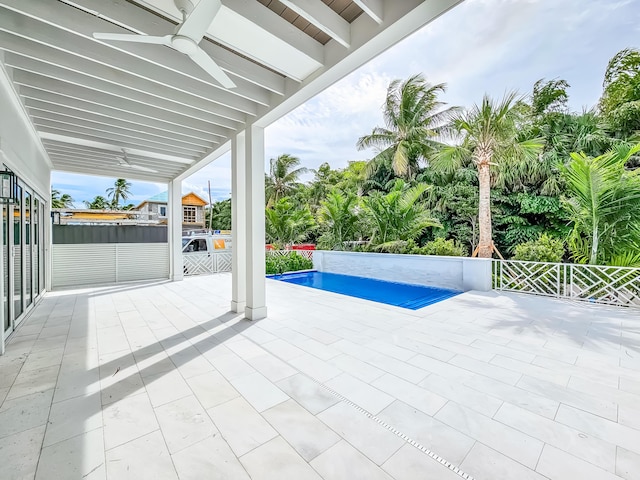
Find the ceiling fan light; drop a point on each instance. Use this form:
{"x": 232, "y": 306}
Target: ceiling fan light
{"x": 184, "y": 44}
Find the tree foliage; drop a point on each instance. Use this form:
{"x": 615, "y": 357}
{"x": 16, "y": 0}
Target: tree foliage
{"x": 61, "y": 200}
{"x": 121, "y": 190}
{"x": 399, "y": 214}
{"x": 413, "y": 116}
{"x": 620, "y": 102}
{"x": 603, "y": 200}
{"x": 284, "y": 175}
{"x": 287, "y": 223}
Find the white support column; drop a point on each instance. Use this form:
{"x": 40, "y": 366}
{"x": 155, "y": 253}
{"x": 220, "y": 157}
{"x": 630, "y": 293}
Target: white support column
{"x": 238, "y": 223}
{"x": 255, "y": 257}
{"x": 174, "y": 214}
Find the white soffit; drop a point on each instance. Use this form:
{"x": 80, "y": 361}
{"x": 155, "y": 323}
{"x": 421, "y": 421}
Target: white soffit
{"x": 89, "y": 99}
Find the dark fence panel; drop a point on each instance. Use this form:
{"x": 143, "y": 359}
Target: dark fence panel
{"x": 68, "y": 234}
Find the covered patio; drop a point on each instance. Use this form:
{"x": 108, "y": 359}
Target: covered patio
{"x": 162, "y": 381}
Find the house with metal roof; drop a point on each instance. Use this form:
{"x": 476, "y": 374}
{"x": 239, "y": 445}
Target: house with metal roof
{"x": 193, "y": 209}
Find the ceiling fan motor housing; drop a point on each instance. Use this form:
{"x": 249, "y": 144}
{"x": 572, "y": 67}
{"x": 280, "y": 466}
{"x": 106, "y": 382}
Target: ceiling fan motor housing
{"x": 184, "y": 6}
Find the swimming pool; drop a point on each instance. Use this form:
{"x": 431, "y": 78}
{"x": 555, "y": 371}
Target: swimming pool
{"x": 402, "y": 295}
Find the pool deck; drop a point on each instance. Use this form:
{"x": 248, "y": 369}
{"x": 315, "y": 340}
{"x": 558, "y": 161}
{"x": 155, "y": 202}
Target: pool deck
{"x": 162, "y": 382}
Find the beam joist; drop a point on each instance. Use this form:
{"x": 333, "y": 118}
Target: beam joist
{"x": 325, "y": 19}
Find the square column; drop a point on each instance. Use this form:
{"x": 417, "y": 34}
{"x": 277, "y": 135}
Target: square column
{"x": 174, "y": 214}
{"x": 255, "y": 255}
{"x": 238, "y": 224}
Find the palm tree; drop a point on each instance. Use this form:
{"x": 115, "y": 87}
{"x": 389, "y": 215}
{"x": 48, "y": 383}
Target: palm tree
{"x": 98, "y": 203}
{"x": 61, "y": 201}
{"x": 287, "y": 223}
{"x": 603, "y": 205}
{"x": 489, "y": 135}
{"x": 412, "y": 116}
{"x": 283, "y": 177}
{"x": 399, "y": 215}
{"x": 119, "y": 191}
{"x": 338, "y": 219}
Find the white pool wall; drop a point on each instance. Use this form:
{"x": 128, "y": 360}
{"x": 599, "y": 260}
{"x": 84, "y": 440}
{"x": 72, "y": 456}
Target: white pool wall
{"x": 457, "y": 273}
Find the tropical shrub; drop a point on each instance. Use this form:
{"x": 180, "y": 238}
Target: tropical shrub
{"x": 444, "y": 248}
{"x": 287, "y": 223}
{"x": 544, "y": 249}
{"x": 293, "y": 262}
{"x": 603, "y": 203}
{"x": 398, "y": 215}
{"x": 338, "y": 220}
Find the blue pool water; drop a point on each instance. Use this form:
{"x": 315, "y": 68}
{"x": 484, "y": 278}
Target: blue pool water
{"x": 402, "y": 295}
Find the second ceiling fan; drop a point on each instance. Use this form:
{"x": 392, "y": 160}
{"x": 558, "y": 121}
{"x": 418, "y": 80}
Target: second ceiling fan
{"x": 187, "y": 36}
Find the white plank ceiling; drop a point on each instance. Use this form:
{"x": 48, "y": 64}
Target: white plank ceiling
{"x": 91, "y": 99}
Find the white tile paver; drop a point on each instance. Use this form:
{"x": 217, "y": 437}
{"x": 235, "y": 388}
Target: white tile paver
{"x": 304, "y": 432}
{"x": 343, "y": 462}
{"x": 276, "y": 460}
{"x": 498, "y": 384}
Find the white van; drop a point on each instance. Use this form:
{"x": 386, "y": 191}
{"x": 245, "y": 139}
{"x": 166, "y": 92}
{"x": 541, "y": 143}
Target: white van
{"x": 203, "y": 242}
{"x": 206, "y": 253}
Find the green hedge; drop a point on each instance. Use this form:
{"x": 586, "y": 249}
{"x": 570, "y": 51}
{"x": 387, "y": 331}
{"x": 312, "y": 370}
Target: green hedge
{"x": 292, "y": 262}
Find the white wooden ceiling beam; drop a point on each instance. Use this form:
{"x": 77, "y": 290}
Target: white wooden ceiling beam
{"x": 325, "y": 19}
{"x": 105, "y": 99}
{"x": 62, "y": 40}
{"x": 83, "y": 149}
{"x": 51, "y": 71}
{"x": 28, "y": 50}
{"x": 117, "y": 143}
{"x": 53, "y": 102}
{"x": 57, "y": 138}
{"x": 83, "y": 24}
{"x": 113, "y": 162}
{"x": 53, "y": 112}
{"x": 113, "y": 172}
{"x": 54, "y": 120}
{"x": 113, "y": 138}
{"x": 372, "y": 8}
{"x": 138, "y": 19}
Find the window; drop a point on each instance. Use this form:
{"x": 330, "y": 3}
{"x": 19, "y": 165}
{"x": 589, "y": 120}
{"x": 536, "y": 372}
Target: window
{"x": 196, "y": 245}
{"x": 189, "y": 214}
{"x": 163, "y": 211}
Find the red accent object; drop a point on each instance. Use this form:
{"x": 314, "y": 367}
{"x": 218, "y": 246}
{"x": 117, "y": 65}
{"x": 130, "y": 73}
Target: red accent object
{"x": 304, "y": 246}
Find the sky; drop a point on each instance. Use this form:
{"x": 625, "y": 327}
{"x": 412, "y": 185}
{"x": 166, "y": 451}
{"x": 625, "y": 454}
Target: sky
{"x": 481, "y": 46}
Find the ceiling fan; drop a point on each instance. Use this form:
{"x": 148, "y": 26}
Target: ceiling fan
{"x": 187, "y": 36}
{"x": 123, "y": 161}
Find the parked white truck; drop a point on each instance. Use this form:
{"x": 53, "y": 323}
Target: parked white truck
{"x": 206, "y": 253}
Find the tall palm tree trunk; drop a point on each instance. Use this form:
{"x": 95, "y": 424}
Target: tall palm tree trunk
{"x": 485, "y": 244}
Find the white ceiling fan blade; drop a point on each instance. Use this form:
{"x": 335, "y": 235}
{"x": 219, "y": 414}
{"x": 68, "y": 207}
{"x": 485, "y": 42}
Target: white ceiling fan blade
{"x": 205, "y": 62}
{"x": 199, "y": 20}
{"x": 127, "y": 37}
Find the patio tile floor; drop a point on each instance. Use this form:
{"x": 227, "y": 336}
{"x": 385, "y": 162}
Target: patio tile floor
{"x": 160, "y": 381}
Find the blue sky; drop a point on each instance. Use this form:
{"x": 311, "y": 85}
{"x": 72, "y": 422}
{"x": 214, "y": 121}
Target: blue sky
{"x": 480, "y": 46}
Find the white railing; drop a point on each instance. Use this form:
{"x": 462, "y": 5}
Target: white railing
{"x": 198, "y": 263}
{"x": 283, "y": 253}
{"x": 591, "y": 283}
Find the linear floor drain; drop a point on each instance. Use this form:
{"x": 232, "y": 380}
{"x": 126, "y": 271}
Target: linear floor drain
{"x": 406, "y": 438}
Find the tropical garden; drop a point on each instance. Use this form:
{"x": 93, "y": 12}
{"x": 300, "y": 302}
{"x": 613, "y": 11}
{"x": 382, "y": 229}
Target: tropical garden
{"x": 520, "y": 176}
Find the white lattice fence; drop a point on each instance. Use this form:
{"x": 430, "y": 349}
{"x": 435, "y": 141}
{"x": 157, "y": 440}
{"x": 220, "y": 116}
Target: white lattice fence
{"x": 592, "y": 283}
{"x": 283, "y": 253}
{"x": 198, "y": 263}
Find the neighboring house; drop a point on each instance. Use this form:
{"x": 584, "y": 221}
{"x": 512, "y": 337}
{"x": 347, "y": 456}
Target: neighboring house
{"x": 79, "y": 216}
{"x": 193, "y": 209}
